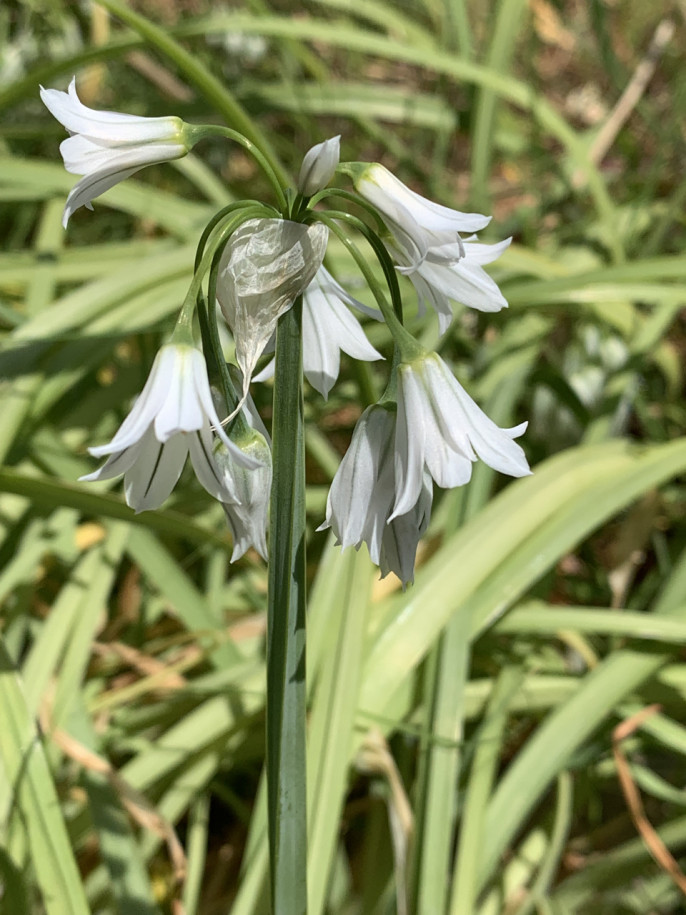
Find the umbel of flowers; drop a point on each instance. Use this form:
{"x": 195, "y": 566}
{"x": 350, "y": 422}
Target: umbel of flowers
{"x": 256, "y": 262}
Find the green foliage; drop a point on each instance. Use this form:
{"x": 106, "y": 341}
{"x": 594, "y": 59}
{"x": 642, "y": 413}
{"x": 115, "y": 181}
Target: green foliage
{"x": 460, "y": 733}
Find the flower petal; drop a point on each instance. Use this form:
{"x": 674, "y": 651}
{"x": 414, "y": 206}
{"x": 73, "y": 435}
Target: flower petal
{"x": 328, "y": 327}
{"x": 395, "y": 199}
{"x": 111, "y": 126}
{"x": 360, "y": 496}
{"x": 144, "y": 410}
{"x": 83, "y": 156}
{"x": 247, "y": 516}
{"x": 478, "y": 253}
{"x": 402, "y": 536}
{"x": 115, "y": 465}
{"x": 149, "y": 482}
{"x": 409, "y": 442}
{"x": 205, "y": 466}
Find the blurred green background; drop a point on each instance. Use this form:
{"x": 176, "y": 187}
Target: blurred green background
{"x": 463, "y": 751}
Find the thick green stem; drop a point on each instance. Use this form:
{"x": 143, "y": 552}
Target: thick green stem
{"x": 286, "y": 629}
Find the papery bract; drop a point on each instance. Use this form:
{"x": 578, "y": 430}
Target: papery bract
{"x": 173, "y": 415}
{"x": 265, "y": 266}
{"x": 442, "y": 430}
{"x": 107, "y": 146}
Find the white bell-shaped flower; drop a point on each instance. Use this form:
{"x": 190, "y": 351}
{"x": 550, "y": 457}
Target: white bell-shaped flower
{"x": 319, "y": 165}
{"x": 441, "y": 430}
{"x": 173, "y": 415}
{"x": 106, "y": 146}
{"x": 265, "y": 266}
{"x": 362, "y": 493}
{"x": 247, "y": 515}
{"x": 328, "y": 329}
{"x": 424, "y": 230}
{"x": 465, "y": 281}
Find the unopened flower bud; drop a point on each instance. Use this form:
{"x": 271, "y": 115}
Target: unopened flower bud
{"x": 319, "y": 166}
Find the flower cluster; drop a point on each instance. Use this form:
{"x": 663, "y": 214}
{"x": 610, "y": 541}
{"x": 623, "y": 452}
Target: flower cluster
{"x": 258, "y": 261}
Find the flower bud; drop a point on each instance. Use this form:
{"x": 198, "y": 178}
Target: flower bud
{"x": 319, "y": 166}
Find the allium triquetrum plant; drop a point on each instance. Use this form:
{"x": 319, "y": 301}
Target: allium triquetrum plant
{"x": 483, "y": 733}
{"x": 261, "y": 263}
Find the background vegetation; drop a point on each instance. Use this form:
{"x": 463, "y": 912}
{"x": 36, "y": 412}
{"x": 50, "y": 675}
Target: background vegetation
{"x": 465, "y": 755}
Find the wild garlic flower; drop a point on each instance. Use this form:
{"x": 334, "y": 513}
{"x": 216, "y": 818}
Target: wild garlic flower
{"x": 328, "y": 329}
{"x": 106, "y": 146}
{"x": 424, "y": 230}
{"x": 265, "y": 266}
{"x": 173, "y": 415}
{"x": 319, "y": 165}
{"x": 360, "y": 501}
{"x": 464, "y": 281}
{"x": 441, "y": 430}
{"x": 251, "y": 487}
{"x": 426, "y": 243}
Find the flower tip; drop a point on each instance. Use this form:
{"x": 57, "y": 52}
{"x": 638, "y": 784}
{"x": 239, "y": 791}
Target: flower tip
{"x": 404, "y": 582}
{"x": 319, "y": 166}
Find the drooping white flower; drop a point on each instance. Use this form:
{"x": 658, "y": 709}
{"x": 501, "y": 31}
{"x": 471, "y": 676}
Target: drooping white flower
{"x": 424, "y": 230}
{"x": 251, "y": 486}
{"x": 247, "y": 516}
{"x": 465, "y": 281}
{"x": 328, "y": 328}
{"x": 442, "y": 430}
{"x": 173, "y": 415}
{"x": 319, "y": 165}
{"x": 265, "y": 266}
{"x": 362, "y": 493}
{"x": 106, "y": 146}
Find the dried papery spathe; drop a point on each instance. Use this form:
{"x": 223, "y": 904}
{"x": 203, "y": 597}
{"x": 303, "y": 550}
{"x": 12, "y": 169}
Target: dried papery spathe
{"x": 267, "y": 263}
